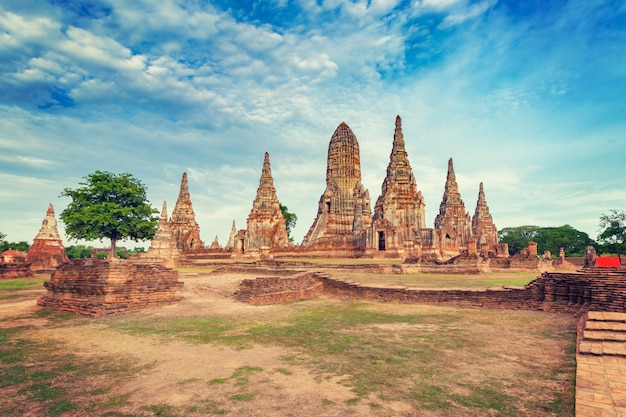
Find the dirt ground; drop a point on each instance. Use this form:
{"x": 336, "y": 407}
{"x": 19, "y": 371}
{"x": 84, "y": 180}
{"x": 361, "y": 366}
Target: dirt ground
{"x": 214, "y": 376}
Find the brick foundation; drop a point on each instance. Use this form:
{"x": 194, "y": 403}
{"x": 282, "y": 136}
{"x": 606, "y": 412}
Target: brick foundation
{"x": 574, "y": 293}
{"x": 95, "y": 287}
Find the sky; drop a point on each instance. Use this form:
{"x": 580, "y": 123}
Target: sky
{"x": 528, "y": 97}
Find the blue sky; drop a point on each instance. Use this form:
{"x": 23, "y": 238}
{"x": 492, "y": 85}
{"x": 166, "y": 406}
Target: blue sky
{"x": 526, "y": 96}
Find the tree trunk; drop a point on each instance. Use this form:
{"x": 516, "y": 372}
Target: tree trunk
{"x": 113, "y": 248}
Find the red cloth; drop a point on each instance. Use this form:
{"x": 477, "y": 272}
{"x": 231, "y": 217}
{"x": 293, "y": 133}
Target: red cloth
{"x": 607, "y": 262}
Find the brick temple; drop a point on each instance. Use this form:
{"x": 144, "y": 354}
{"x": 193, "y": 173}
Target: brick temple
{"x": 345, "y": 225}
{"x": 47, "y": 251}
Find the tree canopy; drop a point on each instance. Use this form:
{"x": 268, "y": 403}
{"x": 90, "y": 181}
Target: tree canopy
{"x": 553, "y": 239}
{"x": 290, "y": 219}
{"x": 613, "y": 231}
{"x": 108, "y": 205}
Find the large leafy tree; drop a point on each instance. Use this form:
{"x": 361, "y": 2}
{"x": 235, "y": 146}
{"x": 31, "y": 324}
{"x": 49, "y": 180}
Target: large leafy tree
{"x": 613, "y": 235}
{"x": 112, "y": 206}
{"x": 573, "y": 241}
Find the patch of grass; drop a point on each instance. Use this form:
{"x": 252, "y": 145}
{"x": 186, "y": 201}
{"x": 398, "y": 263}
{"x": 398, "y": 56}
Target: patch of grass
{"x": 117, "y": 400}
{"x": 19, "y": 284}
{"x": 284, "y": 371}
{"x": 241, "y": 397}
{"x": 217, "y": 381}
{"x": 327, "y": 402}
{"x": 424, "y": 280}
{"x": 61, "y": 407}
{"x": 208, "y": 407}
{"x": 162, "y": 410}
{"x": 41, "y": 376}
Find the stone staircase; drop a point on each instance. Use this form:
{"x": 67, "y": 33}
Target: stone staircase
{"x": 601, "y": 365}
{"x": 604, "y": 333}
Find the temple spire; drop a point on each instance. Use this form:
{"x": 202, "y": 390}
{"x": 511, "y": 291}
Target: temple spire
{"x": 266, "y": 174}
{"x": 163, "y": 218}
{"x": 183, "y": 193}
{"x": 398, "y": 137}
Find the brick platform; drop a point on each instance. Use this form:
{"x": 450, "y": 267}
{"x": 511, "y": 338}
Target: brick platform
{"x": 95, "y": 287}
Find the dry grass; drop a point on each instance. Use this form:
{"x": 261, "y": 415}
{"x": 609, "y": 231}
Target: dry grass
{"x": 210, "y": 355}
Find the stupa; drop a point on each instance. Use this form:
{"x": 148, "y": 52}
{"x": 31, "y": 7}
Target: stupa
{"x": 483, "y": 228}
{"x": 399, "y": 213}
{"x": 163, "y": 245}
{"x": 185, "y": 230}
{"x": 266, "y": 226}
{"x": 47, "y": 251}
{"x": 344, "y": 213}
{"x": 453, "y": 223}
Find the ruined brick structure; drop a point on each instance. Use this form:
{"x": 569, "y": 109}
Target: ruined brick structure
{"x": 453, "y": 223}
{"x": 483, "y": 228}
{"x": 267, "y": 228}
{"x": 95, "y": 287}
{"x": 185, "y": 230}
{"x": 344, "y": 225}
{"x": 163, "y": 245}
{"x": 399, "y": 213}
{"x": 344, "y": 214}
{"x": 572, "y": 292}
{"x": 47, "y": 251}
{"x": 13, "y": 264}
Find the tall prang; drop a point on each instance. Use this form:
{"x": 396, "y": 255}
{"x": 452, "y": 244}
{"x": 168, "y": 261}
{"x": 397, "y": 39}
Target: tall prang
{"x": 266, "y": 227}
{"x": 483, "y": 228}
{"x": 399, "y": 212}
{"x": 163, "y": 245}
{"x": 185, "y": 230}
{"x": 344, "y": 214}
{"x": 231, "y": 237}
{"x": 47, "y": 251}
{"x": 453, "y": 223}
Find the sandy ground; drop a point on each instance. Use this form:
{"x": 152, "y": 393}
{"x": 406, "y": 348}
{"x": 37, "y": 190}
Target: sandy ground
{"x": 183, "y": 374}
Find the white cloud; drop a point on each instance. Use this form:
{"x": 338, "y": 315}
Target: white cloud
{"x": 469, "y": 12}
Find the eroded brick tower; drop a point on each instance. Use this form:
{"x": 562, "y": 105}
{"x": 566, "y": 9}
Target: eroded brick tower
{"x": 453, "y": 223}
{"x": 185, "y": 230}
{"x": 483, "y": 228}
{"x": 344, "y": 212}
{"x": 399, "y": 212}
{"x": 267, "y": 228}
{"x": 47, "y": 251}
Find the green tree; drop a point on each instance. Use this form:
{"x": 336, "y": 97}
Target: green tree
{"x": 22, "y": 245}
{"x": 572, "y": 241}
{"x": 517, "y": 237}
{"x": 613, "y": 235}
{"x": 109, "y": 206}
{"x": 78, "y": 251}
{"x": 290, "y": 219}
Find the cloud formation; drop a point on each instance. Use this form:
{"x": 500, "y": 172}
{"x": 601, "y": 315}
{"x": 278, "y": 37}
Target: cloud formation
{"x": 528, "y": 100}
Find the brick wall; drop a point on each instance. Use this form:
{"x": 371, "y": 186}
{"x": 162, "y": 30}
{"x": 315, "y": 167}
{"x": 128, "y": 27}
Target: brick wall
{"x": 573, "y": 293}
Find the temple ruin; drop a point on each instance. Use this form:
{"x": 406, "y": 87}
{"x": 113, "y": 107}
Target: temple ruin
{"x": 343, "y": 214}
{"x": 185, "y": 230}
{"x": 47, "y": 251}
{"x": 163, "y": 245}
{"x": 399, "y": 213}
{"x": 345, "y": 225}
{"x": 266, "y": 226}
